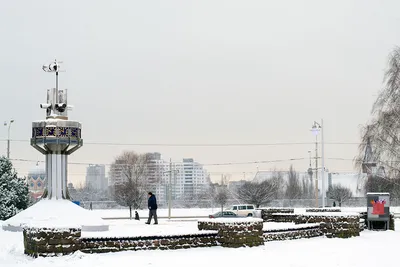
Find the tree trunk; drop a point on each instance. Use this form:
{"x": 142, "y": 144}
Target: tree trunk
{"x": 222, "y": 208}
{"x": 130, "y": 212}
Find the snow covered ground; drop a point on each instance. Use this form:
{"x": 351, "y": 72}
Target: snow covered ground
{"x": 115, "y": 213}
{"x": 321, "y": 251}
{"x": 124, "y": 228}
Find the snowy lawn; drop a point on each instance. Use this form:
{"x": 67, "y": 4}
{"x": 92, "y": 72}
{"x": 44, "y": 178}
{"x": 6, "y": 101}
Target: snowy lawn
{"x": 126, "y": 228}
{"x": 115, "y": 213}
{"x": 315, "y": 252}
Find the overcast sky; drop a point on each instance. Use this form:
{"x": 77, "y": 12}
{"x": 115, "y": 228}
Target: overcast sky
{"x": 206, "y": 71}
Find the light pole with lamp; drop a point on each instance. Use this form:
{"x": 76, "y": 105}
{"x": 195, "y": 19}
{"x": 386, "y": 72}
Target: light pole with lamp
{"x": 8, "y": 139}
{"x": 315, "y": 129}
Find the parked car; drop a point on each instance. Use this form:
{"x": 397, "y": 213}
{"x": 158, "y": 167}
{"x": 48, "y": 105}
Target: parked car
{"x": 223, "y": 214}
{"x": 243, "y": 210}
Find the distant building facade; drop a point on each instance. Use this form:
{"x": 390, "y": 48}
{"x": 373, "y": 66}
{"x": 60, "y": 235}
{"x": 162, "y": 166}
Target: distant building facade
{"x": 96, "y": 177}
{"x": 189, "y": 179}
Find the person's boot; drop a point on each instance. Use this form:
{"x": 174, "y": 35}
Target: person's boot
{"x": 147, "y": 223}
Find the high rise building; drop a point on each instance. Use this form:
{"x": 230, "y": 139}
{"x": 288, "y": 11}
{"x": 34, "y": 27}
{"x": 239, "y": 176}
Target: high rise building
{"x": 96, "y": 177}
{"x": 154, "y": 172}
{"x": 188, "y": 180}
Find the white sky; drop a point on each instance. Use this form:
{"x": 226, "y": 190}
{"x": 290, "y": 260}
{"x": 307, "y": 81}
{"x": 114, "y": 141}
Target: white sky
{"x": 198, "y": 72}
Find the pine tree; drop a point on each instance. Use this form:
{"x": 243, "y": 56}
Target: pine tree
{"x": 14, "y": 194}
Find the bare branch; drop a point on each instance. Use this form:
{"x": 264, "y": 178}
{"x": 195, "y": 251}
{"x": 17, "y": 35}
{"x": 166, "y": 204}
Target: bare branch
{"x": 131, "y": 168}
{"x": 339, "y": 193}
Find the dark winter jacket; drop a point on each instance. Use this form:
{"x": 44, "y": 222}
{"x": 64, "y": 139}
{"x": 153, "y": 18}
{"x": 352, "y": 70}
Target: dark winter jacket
{"x": 152, "y": 203}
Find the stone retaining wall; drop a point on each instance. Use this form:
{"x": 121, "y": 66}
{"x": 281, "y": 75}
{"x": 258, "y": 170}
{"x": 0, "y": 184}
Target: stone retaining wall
{"x": 323, "y": 210}
{"x": 282, "y": 218}
{"x": 103, "y": 245}
{"x": 55, "y": 242}
{"x": 267, "y": 213}
{"x": 341, "y": 226}
{"x": 307, "y": 232}
{"x": 236, "y": 232}
{"x": 227, "y": 233}
{"x": 51, "y": 242}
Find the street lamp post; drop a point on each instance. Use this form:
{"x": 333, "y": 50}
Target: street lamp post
{"x": 8, "y": 138}
{"x": 316, "y": 128}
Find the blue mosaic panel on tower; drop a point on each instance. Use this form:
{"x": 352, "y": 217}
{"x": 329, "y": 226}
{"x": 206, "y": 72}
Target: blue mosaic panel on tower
{"x": 41, "y": 132}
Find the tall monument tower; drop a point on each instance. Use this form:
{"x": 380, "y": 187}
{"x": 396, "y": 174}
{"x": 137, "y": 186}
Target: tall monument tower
{"x": 56, "y": 137}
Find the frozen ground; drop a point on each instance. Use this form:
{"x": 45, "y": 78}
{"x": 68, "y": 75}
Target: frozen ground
{"x": 115, "y": 213}
{"x": 356, "y": 252}
{"x": 123, "y": 228}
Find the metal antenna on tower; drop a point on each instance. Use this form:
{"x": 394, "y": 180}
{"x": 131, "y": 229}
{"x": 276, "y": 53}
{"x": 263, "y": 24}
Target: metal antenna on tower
{"x": 56, "y": 106}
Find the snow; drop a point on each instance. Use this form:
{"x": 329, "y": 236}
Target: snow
{"x": 56, "y": 214}
{"x": 182, "y": 213}
{"x": 314, "y": 252}
{"x": 129, "y": 228}
{"x": 233, "y": 220}
{"x": 330, "y": 214}
{"x": 118, "y": 213}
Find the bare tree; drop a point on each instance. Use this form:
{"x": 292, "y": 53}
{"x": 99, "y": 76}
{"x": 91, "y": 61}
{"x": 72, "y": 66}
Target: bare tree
{"x": 258, "y": 193}
{"x": 221, "y": 196}
{"x": 307, "y": 187}
{"x": 131, "y": 170}
{"x": 382, "y": 132}
{"x": 278, "y": 182}
{"x": 339, "y": 193}
{"x": 376, "y": 183}
{"x": 293, "y": 187}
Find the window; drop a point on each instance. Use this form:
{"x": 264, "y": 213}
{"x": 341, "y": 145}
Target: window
{"x": 234, "y": 208}
{"x": 242, "y": 207}
{"x": 250, "y": 207}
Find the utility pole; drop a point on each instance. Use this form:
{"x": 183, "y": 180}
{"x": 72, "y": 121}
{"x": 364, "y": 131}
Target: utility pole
{"x": 315, "y": 129}
{"x": 171, "y": 172}
{"x": 316, "y": 171}
{"x": 169, "y": 189}
{"x": 322, "y": 165}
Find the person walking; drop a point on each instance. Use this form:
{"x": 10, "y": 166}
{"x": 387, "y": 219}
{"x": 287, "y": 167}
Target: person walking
{"x": 152, "y": 203}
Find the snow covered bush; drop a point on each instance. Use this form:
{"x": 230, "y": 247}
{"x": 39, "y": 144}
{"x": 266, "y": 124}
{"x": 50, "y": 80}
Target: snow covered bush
{"x": 14, "y": 194}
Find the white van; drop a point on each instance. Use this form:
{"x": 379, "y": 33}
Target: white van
{"x": 244, "y": 210}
